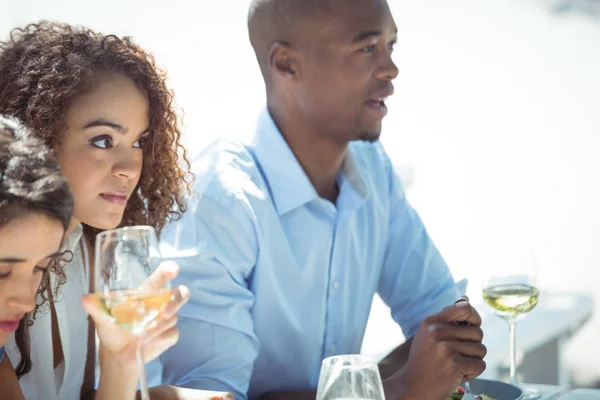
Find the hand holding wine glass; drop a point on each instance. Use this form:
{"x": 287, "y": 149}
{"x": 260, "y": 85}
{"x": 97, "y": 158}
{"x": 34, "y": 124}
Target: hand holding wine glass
{"x": 159, "y": 335}
{"x": 133, "y": 307}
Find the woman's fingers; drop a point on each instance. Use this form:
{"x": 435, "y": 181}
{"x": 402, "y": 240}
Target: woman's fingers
{"x": 168, "y": 317}
{"x": 179, "y": 296}
{"x": 164, "y": 325}
{"x": 91, "y": 305}
{"x": 166, "y": 271}
{"x": 160, "y": 344}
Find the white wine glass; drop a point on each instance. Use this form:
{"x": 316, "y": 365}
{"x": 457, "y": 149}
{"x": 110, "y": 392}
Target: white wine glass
{"x": 511, "y": 289}
{"x": 349, "y": 377}
{"x": 124, "y": 260}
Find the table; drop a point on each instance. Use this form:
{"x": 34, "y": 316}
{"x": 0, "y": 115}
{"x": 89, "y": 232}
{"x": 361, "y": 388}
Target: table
{"x": 582, "y": 394}
{"x": 550, "y": 392}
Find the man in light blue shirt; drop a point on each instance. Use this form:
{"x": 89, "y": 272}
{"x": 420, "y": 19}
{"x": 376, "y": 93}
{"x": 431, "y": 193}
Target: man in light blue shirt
{"x": 292, "y": 234}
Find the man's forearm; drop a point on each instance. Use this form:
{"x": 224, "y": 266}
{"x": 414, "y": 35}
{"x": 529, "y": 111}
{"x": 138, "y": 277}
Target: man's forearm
{"x": 394, "y": 361}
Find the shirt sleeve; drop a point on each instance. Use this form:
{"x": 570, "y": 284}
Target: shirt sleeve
{"x": 215, "y": 246}
{"x": 415, "y": 280}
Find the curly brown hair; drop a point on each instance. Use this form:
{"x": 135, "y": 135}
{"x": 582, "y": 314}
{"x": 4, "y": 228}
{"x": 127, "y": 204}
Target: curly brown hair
{"x": 44, "y": 67}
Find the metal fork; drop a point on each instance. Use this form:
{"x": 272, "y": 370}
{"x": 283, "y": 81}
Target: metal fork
{"x": 468, "y": 395}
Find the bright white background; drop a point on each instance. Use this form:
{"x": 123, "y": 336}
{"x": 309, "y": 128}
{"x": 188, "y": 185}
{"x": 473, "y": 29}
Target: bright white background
{"x": 497, "y": 110}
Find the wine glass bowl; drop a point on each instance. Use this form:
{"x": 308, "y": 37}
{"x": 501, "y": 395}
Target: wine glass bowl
{"x": 511, "y": 297}
{"x": 347, "y": 377}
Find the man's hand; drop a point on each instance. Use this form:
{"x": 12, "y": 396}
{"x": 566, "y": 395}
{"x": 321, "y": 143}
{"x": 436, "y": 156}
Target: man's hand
{"x": 446, "y": 351}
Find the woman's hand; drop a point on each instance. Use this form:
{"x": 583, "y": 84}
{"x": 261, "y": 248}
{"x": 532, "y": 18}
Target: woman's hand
{"x": 120, "y": 345}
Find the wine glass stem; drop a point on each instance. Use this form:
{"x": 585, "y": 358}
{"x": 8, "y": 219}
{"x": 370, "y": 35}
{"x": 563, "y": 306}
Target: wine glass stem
{"x": 142, "y": 370}
{"x": 513, "y": 353}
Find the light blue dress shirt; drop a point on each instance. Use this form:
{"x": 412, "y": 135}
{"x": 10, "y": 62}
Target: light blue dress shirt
{"x": 281, "y": 278}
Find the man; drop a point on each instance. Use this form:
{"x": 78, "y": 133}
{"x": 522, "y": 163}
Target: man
{"x": 293, "y": 233}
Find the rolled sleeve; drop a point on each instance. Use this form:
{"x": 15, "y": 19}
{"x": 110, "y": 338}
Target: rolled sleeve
{"x": 215, "y": 247}
{"x": 415, "y": 280}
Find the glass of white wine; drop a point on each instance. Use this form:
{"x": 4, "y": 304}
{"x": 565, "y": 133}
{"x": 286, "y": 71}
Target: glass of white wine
{"x": 511, "y": 290}
{"x": 349, "y": 377}
{"x": 124, "y": 260}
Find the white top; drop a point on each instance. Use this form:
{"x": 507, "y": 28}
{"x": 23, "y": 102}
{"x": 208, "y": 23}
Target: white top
{"x": 43, "y": 381}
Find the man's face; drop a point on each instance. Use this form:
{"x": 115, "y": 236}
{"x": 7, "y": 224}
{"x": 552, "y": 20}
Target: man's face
{"x": 347, "y": 70}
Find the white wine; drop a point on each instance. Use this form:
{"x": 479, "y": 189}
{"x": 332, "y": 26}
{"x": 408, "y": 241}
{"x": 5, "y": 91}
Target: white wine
{"x": 133, "y": 310}
{"x": 511, "y": 301}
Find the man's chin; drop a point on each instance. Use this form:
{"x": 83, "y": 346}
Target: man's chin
{"x": 369, "y": 130}
{"x": 369, "y": 137}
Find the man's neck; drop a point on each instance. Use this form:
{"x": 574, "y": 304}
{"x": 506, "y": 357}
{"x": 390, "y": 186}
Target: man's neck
{"x": 320, "y": 157}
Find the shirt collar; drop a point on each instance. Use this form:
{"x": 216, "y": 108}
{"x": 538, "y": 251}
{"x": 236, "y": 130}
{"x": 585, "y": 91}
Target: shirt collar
{"x": 351, "y": 173}
{"x": 70, "y": 242}
{"x": 288, "y": 183}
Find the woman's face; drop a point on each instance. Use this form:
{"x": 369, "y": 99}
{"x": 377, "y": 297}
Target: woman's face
{"x": 101, "y": 151}
{"x": 27, "y": 244}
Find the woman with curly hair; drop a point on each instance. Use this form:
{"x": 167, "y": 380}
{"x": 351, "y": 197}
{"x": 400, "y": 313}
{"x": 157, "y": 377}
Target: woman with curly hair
{"x": 103, "y": 105}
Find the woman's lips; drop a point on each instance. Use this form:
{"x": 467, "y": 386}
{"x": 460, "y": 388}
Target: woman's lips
{"x": 9, "y": 326}
{"x": 115, "y": 198}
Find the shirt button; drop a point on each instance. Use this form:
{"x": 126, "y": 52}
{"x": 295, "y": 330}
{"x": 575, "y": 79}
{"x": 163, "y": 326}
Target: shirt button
{"x": 332, "y": 349}
{"x": 336, "y": 285}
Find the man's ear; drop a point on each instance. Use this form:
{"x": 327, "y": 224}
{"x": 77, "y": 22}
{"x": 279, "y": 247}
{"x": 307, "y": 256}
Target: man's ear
{"x": 284, "y": 61}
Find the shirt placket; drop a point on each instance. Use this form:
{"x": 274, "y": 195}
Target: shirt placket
{"x": 333, "y": 324}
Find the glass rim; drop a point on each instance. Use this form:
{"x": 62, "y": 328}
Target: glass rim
{"x": 362, "y": 359}
{"x": 116, "y": 231}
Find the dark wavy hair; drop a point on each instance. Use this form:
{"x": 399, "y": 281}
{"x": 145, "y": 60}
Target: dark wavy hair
{"x": 31, "y": 182}
{"x": 44, "y": 67}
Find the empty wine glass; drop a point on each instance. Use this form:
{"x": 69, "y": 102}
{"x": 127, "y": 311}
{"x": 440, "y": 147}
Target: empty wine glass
{"x": 347, "y": 377}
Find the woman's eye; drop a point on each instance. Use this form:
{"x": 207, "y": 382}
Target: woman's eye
{"x": 141, "y": 142}
{"x": 5, "y": 271}
{"x": 102, "y": 142}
